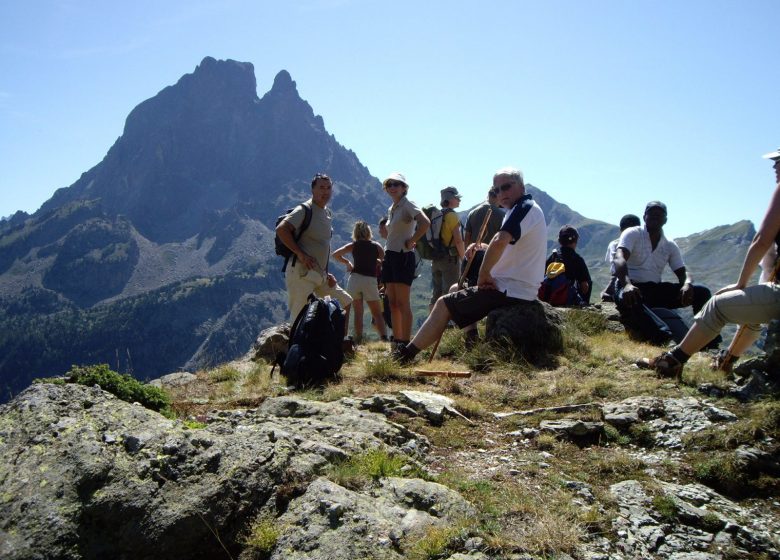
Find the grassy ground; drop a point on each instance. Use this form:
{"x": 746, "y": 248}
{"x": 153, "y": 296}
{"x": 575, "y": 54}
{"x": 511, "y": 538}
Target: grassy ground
{"x": 520, "y": 485}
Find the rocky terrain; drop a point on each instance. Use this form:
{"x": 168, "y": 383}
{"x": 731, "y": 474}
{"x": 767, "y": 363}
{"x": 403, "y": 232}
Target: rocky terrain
{"x": 587, "y": 457}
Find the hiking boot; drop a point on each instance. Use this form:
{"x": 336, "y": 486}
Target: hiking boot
{"x": 398, "y": 355}
{"x": 666, "y": 365}
{"x": 723, "y": 361}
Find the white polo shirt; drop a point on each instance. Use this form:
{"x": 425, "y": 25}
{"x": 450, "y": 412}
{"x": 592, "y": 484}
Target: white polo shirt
{"x": 645, "y": 264}
{"x": 520, "y": 269}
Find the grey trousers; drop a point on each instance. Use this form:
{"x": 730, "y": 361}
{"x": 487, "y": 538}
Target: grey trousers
{"x": 753, "y": 306}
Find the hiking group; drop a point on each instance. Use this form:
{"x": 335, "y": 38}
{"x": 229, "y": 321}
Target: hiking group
{"x": 499, "y": 258}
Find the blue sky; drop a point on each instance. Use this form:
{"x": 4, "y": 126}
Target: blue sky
{"x": 604, "y": 104}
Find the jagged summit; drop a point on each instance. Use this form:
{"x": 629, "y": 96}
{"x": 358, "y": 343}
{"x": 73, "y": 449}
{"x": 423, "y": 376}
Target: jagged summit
{"x": 284, "y": 84}
{"x": 208, "y": 143}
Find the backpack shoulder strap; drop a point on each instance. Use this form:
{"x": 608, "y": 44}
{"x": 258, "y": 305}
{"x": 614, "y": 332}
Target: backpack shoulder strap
{"x": 297, "y": 235}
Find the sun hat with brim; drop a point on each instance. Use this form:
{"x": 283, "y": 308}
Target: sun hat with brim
{"x": 449, "y": 193}
{"x": 772, "y": 155}
{"x": 395, "y": 177}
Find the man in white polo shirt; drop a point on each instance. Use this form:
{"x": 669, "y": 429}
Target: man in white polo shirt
{"x": 640, "y": 259}
{"x": 510, "y": 274}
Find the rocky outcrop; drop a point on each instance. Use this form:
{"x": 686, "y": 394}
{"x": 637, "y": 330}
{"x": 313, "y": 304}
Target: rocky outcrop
{"x": 534, "y": 329}
{"x": 84, "y": 475}
{"x": 685, "y": 521}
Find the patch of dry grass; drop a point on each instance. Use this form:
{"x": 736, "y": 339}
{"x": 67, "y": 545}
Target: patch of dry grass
{"x": 530, "y": 511}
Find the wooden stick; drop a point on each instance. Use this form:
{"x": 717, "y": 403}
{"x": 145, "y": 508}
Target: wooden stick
{"x": 564, "y": 408}
{"x": 427, "y": 373}
{"x": 729, "y": 356}
{"x": 465, "y": 272}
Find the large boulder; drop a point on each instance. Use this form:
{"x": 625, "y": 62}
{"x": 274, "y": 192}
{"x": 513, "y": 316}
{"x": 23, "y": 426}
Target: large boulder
{"x": 534, "y": 329}
{"x": 85, "y": 475}
{"x": 271, "y": 342}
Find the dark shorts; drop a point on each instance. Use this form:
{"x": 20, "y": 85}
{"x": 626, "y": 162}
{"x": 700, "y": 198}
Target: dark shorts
{"x": 472, "y": 304}
{"x": 398, "y": 267}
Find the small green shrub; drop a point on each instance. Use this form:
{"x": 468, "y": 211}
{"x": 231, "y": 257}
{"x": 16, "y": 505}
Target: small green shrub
{"x": 666, "y": 507}
{"x": 612, "y": 434}
{"x": 123, "y": 387}
{"x": 435, "y": 543}
{"x": 263, "y": 536}
{"x": 357, "y": 471}
{"x": 193, "y": 424}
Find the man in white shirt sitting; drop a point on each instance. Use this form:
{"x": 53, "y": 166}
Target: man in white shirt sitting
{"x": 640, "y": 259}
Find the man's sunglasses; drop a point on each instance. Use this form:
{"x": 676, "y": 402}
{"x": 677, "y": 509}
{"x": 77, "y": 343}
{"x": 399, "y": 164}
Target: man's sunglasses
{"x": 393, "y": 184}
{"x": 503, "y": 188}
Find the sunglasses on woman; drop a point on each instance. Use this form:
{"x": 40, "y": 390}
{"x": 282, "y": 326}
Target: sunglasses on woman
{"x": 393, "y": 184}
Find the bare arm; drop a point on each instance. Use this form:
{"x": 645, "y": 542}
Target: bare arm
{"x": 286, "y": 233}
{"x": 762, "y": 241}
{"x": 494, "y": 251}
{"x": 457, "y": 240}
{"x": 339, "y": 253}
{"x": 423, "y": 223}
{"x": 631, "y": 294}
{"x": 686, "y": 290}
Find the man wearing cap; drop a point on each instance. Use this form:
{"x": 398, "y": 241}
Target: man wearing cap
{"x": 739, "y": 303}
{"x": 576, "y": 270}
{"x": 445, "y": 270}
{"x": 308, "y": 271}
{"x": 510, "y": 274}
{"x": 640, "y": 259}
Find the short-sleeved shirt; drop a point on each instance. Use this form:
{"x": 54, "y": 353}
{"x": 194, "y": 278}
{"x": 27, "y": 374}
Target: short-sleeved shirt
{"x": 477, "y": 216}
{"x": 401, "y": 224}
{"x": 450, "y": 223}
{"x": 610, "y": 256}
{"x": 644, "y": 263}
{"x": 520, "y": 269}
{"x": 315, "y": 240}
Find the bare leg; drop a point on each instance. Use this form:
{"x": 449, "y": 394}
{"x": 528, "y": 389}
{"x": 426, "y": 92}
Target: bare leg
{"x": 433, "y": 327}
{"x": 400, "y": 309}
{"x": 376, "y": 313}
{"x": 357, "y": 304}
{"x": 346, "y": 320}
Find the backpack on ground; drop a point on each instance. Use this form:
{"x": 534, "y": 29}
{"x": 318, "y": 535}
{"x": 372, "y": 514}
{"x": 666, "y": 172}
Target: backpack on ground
{"x": 556, "y": 288}
{"x": 283, "y": 250}
{"x": 430, "y": 245}
{"x": 315, "y": 353}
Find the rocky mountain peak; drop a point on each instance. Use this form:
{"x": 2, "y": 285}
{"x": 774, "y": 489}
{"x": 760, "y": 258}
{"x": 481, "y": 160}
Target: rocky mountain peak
{"x": 284, "y": 84}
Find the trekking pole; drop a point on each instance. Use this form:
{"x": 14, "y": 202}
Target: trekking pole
{"x": 465, "y": 272}
{"x": 724, "y": 363}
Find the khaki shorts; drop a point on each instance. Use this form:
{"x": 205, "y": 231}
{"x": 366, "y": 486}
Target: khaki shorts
{"x": 300, "y": 285}
{"x": 363, "y": 287}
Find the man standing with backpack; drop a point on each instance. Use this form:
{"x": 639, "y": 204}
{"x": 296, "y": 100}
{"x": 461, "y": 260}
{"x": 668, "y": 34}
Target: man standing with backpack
{"x": 445, "y": 263}
{"x": 307, "y": 270}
